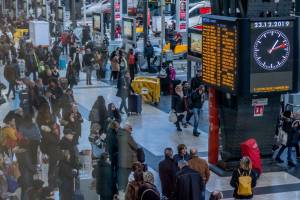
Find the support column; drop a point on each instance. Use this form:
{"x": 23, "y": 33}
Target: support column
{"x": 112, "y": 21}
{"x": 73, "y": 13}
{"x": 297, "y": 7}
{"x": 163, "y": 28}
{"x": 84, "y": 13}
{"x": 213, "y": 138}
{"x": 17, "y": 9}
{"x": 145, "y": 27}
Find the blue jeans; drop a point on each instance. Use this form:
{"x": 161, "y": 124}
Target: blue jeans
{"x": 289, "y": 154}
{"x": 197, "y": 112}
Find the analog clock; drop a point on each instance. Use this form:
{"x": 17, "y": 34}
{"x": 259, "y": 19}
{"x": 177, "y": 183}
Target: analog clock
{"x": 271, "y": 49}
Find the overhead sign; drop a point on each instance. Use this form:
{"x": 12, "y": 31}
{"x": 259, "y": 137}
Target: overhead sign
{"x": 258, "y": 111}
{"x": 220, "y": 52}
{"x": 195, "y": 42}
{"x": 182, "y": 15}
{"x": 117, "y": 10}
{"x": 272, "y": 62}
{"x": 261, "y": 102}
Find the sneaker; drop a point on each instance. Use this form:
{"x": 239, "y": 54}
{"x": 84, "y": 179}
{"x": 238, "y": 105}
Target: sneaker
{"x": 196, "y": 133}
{"x": 189, "y": 123}
{"x": 291, "y": 164}
{"x": 279, "y": 160}
{"x": 179, "y": 129}
{"x": 184, "y": 125}
{"x": 122, "y": 112}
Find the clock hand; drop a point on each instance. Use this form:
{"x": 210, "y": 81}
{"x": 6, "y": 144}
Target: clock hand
{"x": 270, "y": 50}
{"x": 282, "y": 46}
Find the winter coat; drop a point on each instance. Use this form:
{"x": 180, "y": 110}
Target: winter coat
{"x": 178, "y": 157}
{"x": 132, "y": 190}
{"x": 287, "y": 127}
{"x": 104, "y": 180}
{"x": 196, "y": 82}
{"x": 124, "y": 87}
{"x": 149, "y": 51}
{"x": 178, "y": 103}
{"x": 115, "y": 66}
{"x": 197, "y": 99}
{"x": 235, "y": 180}
{"x": 189, "y": 185}
{"x": 80, "y": 59}
{"x": 71, "y": 147}
{"x": 127, "y": 149}
{"x": 11, "y": 72}
{"x": 30, "y": 131}
{"x": 200, "y": 165}
{"x": 76, "y": 125}
{"x": 148, "y": 191}
{"x": 167, "y": 174}
{"x": 112, "y": 144}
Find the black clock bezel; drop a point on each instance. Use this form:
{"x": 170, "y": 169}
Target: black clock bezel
{"x": 291, "y": 58}
{"x": 255, "y": 47}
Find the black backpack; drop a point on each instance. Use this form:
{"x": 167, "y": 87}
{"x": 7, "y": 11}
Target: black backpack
{"x": 148, "y": 191}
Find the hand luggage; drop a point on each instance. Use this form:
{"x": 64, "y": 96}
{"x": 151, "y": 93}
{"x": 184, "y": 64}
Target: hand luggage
{"x": 23, "y": 95}
{"x": 63, "y": 61}
{"x": 77, "y": 193}
{"x": 250, "y": 148}
{"x": 135, "y": 103}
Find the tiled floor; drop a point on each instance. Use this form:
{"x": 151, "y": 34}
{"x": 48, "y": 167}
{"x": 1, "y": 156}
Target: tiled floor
{"x": 154, "y": 132}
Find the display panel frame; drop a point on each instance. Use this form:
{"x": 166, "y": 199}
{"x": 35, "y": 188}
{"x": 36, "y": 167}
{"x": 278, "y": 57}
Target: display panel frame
{"x": 129, "y": 30}
{"x": 44, "y": 11}
{"x": 265, "y": 80}
{"x": 191, "y": 52}
{"x": 60, "y": 14}
{"x": 97, "y": 24}
{"x": 232, "y": 71}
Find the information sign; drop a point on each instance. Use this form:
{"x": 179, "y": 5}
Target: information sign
{"x": 220, "y": 52}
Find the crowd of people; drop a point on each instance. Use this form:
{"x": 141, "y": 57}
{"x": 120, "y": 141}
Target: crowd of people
{"x": 46, "y": 127}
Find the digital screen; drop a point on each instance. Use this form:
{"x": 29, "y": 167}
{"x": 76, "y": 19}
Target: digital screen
{"x": 128, "y": 29}
{"x": 271, "y": 63}
{"x": 220, "y": 52}
{"x": 195, "y": 42}
{"x": 97, "y": 22}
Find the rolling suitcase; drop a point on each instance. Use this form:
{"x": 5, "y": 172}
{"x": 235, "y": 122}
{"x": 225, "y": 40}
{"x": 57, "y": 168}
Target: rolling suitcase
{"x": 63, "y": 61}
{"x": 135, "y": 103}
{"x": 250, "y": 148}
{"x": 77, "y": 193}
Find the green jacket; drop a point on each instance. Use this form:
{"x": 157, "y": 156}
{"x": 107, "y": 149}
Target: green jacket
{"x": 127, "y": 149}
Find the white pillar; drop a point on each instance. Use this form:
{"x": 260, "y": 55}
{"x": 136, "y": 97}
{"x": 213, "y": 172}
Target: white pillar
{"x": 84, "y": 13}
{"x": 17, "y": 11}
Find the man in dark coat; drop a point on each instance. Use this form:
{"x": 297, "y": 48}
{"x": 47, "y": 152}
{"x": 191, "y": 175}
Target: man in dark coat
{"x": 148, "y": 53}
{"x": 12, "y": 74}
{"x": 68, "y": 166}
{"x": 105, "y": 183}
{"x": 189, "y": 183}
{"x": 127, "y": 154}
{"x": 167, "y": 173}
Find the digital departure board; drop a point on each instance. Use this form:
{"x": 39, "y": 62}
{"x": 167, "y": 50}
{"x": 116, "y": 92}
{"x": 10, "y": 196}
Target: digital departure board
{"x": 272, "y": 62}
{"x": 220, "y": 52}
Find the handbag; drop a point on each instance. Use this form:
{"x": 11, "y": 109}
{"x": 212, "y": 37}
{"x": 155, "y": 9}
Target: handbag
{"x": 172, "y": 117}
{"x": 282, "y": 136}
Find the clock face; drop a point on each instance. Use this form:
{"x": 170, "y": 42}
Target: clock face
{"x": 271, "y": 49}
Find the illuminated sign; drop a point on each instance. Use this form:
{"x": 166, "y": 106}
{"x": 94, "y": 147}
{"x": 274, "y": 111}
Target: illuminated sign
{"x": 220, "y": 52}
{"x": 271, "y": 63}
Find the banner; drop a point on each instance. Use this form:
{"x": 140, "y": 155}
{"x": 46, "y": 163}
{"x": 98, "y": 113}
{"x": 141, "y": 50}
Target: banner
{"x": 183, "y": 15}
{"x": 117, "y": 10}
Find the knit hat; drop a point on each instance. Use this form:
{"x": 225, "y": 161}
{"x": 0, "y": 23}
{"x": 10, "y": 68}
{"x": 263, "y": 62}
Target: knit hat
{"x": 148, "y": 177}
